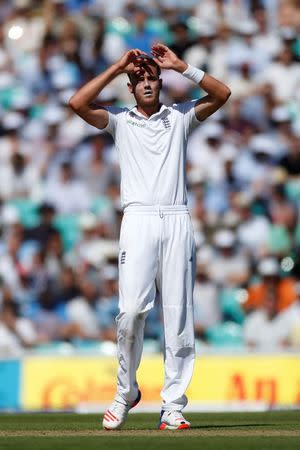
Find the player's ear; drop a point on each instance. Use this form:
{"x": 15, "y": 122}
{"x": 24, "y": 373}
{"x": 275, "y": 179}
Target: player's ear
{"x": 130, "y": 87}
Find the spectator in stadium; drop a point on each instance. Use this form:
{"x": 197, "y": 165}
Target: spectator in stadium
{"x": 253, "y": 231}
{"x": 65, "y": 288}
{"x": 47, "y": 323}
{"x": 291, "y": 161}
{"x": 11, "y": 125}
{"x": 93, "y": 167}
{"x": 207, "y": 311}
{"x": 107, "y": 305}
{"x": 54, "y": 254}
{"x": 18, "y": 179}
{"x": 216, "y": 11}
{"x": 50, "y": 323}
{"x": 79, "y": 256}
{"x": 279, "y": 292}
{"x": 214, "y": 151}
{"x": 281, "y": 210}
{"x": 228, "y": 266}
{"x": 16, "y": 333}
{"x": 104, "y": 47}
{"x": 200, "y": 53}
{"x": 283, "y": 66}
{"x": 181, "y": 39}
{"x": 281, "y": 129}
{"x": 42, "y": 232}
{"x": 140, "y": 36}
{"x": 253, "y": 166}
{"x": 36, "y": 274}
{"x": 10, "y": 266}
{"x": 266, "y": 328}
{"x": 81, "y": 310}
{"x": 244, "y": 48}
{"x": 67, "y": 194}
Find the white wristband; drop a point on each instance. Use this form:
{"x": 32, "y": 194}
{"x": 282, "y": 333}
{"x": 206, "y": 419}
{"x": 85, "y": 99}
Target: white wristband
{"x": 193, "y": 74}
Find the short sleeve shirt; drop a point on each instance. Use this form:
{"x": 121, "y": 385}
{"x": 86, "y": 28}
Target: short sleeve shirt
{"x": 152, "y": 153}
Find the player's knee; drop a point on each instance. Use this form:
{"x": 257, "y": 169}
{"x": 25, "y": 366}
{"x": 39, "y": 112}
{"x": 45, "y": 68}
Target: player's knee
{"x": 130, "y": 324}
{"x": 129, "y": 319}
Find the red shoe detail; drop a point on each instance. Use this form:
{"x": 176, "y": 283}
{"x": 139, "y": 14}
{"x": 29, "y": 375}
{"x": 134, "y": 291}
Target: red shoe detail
{"x": 184, "y": 426}
{"x": 115, "y": 421}
{"x": 110, "y": 415}
{"x": 162, "y": 426}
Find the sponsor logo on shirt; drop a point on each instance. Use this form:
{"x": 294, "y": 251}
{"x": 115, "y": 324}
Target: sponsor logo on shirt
{"x": 136, "y": 124}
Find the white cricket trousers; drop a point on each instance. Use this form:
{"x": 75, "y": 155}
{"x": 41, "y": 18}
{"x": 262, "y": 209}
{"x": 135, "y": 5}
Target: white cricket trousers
{"x": 157, "y": 255}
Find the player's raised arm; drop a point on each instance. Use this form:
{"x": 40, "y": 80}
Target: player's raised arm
{"x": 218, "y": 92}
{"x": 82, "y": 101}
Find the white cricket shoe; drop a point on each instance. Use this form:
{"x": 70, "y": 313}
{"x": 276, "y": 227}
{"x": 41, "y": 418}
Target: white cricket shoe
{"x": 173, "y": 420}
{"x": 115, "y": 416}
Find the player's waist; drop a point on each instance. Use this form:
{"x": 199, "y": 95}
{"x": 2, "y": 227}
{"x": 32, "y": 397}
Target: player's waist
{"x": 156, "y": 209}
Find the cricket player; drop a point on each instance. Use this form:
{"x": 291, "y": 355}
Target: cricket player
{"x": 157, "y": 247}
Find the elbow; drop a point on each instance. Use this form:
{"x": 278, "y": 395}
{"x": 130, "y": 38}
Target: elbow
{"x": 225, "y": 94}
{"x": 228, "y": 93}
{"x": 73, "y": 104}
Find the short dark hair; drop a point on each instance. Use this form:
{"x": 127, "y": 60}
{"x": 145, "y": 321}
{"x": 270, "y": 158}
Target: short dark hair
{"x": 148, "y": 61}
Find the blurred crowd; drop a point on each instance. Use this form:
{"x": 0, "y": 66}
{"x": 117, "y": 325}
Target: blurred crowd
{"x": 60, "y": 208}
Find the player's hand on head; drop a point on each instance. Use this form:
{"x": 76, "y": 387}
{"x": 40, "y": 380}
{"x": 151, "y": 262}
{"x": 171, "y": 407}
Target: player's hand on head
{"x": 139, "y": 70}
{"x": 131, "y": 60}
{"x": 164, "y": 57}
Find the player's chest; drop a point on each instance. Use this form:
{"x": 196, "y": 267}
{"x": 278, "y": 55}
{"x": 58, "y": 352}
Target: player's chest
{"x": 142, "y": 129}
{"x": 153, "y": 140}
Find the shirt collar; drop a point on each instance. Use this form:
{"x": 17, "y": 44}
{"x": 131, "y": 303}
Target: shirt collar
{"x": 159, "y": 113}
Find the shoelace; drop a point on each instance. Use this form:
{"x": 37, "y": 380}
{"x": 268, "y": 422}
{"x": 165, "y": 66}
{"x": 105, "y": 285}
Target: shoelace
{"x": 176, "y": 415}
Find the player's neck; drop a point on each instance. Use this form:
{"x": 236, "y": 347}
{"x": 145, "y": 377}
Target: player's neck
{"x": 148, "y": 111}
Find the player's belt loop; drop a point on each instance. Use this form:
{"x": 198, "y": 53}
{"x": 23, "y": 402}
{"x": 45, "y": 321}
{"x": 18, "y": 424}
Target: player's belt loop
{"x": 161, "y": 214}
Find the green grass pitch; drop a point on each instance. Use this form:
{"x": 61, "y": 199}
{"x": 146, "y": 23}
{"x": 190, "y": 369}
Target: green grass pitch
{"x": 210, "y": 431}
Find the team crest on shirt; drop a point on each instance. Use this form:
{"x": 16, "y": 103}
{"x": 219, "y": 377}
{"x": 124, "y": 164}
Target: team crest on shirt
{"x": 166, "y": 123}
{"x": 123, "y": 257}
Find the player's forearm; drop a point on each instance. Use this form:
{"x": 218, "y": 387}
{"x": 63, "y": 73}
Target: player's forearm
{"x": 90, "y": 91}
{"x": 180, "y": 66}
{"x": 215, "y": 88}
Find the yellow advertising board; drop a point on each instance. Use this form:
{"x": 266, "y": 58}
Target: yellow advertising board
{"x": 63, "y": 383}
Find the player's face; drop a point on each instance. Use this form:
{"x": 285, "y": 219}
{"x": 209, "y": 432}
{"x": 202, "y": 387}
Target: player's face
{"x": 146, "y": 86}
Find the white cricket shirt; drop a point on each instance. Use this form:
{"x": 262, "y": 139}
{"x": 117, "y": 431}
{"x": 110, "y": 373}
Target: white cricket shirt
{"x": 152, "y": 153}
